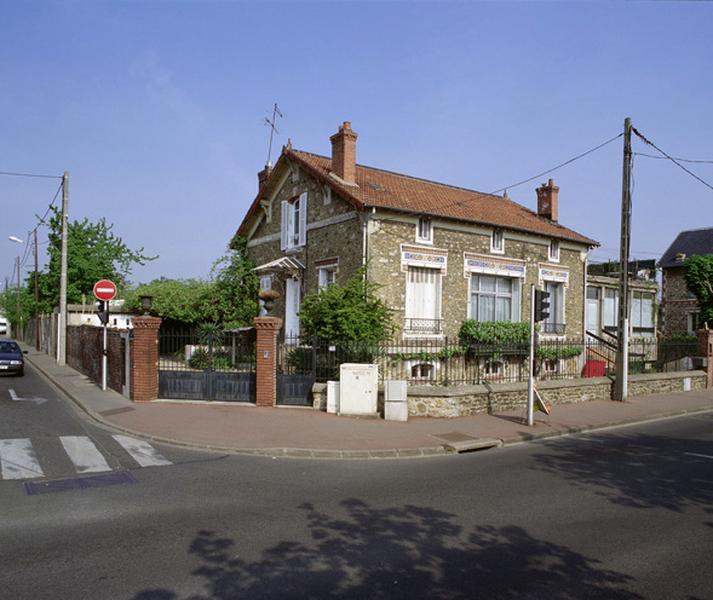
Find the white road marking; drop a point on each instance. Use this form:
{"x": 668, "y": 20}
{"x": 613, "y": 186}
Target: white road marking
{"x": 84, "y": 454}
{"x": 699, "y": 455}
{"x": 18, "y": 459}
{"x": 16, "y": 398}
{"x": 142, "y": 452}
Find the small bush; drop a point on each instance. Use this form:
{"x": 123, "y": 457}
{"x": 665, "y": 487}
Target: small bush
{"x": 494, "y": 332}
{"x": 199, "y": 360}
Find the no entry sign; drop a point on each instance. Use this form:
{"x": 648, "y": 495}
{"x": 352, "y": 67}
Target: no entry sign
{"x": 104, "y": 289}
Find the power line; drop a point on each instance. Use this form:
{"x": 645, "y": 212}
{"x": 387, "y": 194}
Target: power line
{"x": 38, "y": 175}
{"x": 567, "y": 162}
{"x": 671, "y": 158}
{"x": 686, "y": 160}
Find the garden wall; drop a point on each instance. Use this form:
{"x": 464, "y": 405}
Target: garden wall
{"x": 464, "y": 400}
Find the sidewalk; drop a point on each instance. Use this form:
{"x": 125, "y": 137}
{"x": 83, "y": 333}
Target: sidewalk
{"x": 300, "y": 432}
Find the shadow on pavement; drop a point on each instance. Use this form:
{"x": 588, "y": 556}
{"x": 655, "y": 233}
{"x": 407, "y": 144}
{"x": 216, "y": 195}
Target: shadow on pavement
{"x": 636, "y": 471}
{"x": 404, "y": 552}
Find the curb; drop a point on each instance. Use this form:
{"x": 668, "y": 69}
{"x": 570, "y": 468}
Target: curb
{"x": 392, "y": 453}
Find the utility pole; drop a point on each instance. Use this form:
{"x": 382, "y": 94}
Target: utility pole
{"x": 62, "y": 325}
{"x": 37, "y": 298}
{"x": 622, "y": 351}
{"x": 18, "y": 333}
{"x": 531, "y": 375}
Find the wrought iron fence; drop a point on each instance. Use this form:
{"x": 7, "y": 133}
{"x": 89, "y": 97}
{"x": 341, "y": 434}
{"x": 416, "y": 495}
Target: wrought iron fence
{"x": 446, "y": 362}
{"x": 214, "y": 350}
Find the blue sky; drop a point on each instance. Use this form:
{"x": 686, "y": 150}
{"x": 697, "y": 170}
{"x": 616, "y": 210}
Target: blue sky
{"x": 156, "y": 108}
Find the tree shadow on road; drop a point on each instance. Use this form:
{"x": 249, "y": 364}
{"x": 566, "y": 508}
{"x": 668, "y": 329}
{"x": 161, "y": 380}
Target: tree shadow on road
{"x": 637, "y": 470}
{"x": 403, "y": 552}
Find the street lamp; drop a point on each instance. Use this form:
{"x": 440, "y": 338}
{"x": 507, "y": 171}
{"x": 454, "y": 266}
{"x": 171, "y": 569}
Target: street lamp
{"x": 17, "y": 240}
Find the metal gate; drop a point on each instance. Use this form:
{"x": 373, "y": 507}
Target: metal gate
{"x": 296, "y": 371}
{"x": 207, "y": 364}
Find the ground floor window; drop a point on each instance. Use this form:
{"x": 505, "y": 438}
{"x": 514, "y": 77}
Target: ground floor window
{"x": 494, "y": 298}
{"x": 554, "y": 323}
{"x": 327, "y": 276}
{"x": 423, "y": 300}
{"x": 642, "y": 314}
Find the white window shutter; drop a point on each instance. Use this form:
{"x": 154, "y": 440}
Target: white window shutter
{"x": 303, "y": 219}
{"x": 283, "y": 231}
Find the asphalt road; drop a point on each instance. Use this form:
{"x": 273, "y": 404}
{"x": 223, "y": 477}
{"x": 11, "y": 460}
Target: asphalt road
{"x": 621, "y": 514}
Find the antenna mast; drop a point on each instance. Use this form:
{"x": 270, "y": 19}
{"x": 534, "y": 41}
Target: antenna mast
{"x": 273, "y": 130}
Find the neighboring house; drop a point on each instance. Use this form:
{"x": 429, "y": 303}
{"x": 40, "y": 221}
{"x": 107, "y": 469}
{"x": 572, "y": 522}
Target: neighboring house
{"x": 679, "y": 305}
{"x": 441, "y": 254}
{"x": 602, "y": 307}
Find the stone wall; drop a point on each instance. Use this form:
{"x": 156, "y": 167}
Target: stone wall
{"x": 387, "y": 232}
{"x": 425, "y": 401}
{"x": 677, "y": 302}
{"x": 462, "y": 401}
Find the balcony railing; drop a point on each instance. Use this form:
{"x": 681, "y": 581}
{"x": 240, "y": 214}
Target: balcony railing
{"x": 423, "y": 326}
{"x": 552, "y": 328}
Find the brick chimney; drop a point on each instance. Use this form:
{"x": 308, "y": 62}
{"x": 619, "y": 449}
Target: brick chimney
{"x": 547, "y": 200}
{"x": 344, "y": 153}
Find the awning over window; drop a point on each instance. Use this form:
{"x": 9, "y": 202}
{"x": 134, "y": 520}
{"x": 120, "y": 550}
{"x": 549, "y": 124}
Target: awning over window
{"x": 290, "y": 265}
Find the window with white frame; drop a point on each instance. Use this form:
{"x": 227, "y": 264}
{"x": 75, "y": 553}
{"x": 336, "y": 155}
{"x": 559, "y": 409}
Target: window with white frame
{"x": 642, "y": 314}
{"x": 497, "y": 241}
{"x": 327, "y": 276}
{"x": 423, "y": 301}
{"x": 294, "y": 222}
{"x": 424, "y": 230}
{"x": 610, "y": 309}
{"x": 554, "y": 253}
{"x": 554, "y": 323}
{"x": 494, "y": 298}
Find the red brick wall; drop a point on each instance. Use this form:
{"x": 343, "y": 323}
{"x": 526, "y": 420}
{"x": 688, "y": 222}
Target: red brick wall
{"x": 84, "y": 354}
{"x": 144, "y": 359}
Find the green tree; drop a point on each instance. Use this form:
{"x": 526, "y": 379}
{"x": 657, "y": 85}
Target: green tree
{"x": 699, "y": 278}
{"x": 181, "y": 300}
{"x": 94, "y": 252}
{"x": 348, "y": 312}
{"x": 228, "y": 300}
{"x": 234, "y": 301}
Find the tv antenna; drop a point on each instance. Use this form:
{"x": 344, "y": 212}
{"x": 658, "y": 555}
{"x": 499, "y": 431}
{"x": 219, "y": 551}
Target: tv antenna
{"x": 273, "y": 130}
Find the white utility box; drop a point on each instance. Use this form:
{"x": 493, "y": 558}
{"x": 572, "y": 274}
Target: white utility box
{"x": 358, "y": 389}
{"x": 333, "y": 397}
{"x": 395, "y": 401}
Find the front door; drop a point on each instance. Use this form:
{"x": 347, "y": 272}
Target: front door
{"x": 292, "y": 308}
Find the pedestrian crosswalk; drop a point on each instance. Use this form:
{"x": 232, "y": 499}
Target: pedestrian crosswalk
{"x": 20, "y": 460}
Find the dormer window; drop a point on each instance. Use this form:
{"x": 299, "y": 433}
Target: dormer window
{"x": 497, "y": 242}
{"x": 554, "y": 253}
{"x": 424, "y": 231}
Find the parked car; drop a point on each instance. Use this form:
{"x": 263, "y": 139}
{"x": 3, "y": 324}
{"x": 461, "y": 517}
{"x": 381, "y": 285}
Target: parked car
{"x": 12, "y": 361}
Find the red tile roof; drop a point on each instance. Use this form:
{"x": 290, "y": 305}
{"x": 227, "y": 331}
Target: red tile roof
{"x": 385, "y": 189}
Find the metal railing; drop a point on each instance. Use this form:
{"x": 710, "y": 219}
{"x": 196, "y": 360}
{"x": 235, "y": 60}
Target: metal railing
{"x": 452, "y": 362}
{"x": 423, "y": 326}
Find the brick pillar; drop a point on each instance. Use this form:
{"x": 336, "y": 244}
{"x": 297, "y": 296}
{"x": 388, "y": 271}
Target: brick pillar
{"x": 267, "y": 329}
{"x": 705, "y": 348}
{"x": 144, "y": 358}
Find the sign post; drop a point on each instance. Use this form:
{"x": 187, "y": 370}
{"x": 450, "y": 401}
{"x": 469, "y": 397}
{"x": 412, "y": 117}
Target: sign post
{"x": 104, "y": 290}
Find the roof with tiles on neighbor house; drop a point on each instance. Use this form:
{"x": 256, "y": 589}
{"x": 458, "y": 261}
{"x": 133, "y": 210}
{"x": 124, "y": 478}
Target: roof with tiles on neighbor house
{"x": 694, "y": 242}
{"x": 388, "y": 190}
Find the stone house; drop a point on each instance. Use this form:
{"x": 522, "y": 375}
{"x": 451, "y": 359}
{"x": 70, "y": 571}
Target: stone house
{"x": 441, "y": 254}
{"x": 679, "y": 306}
